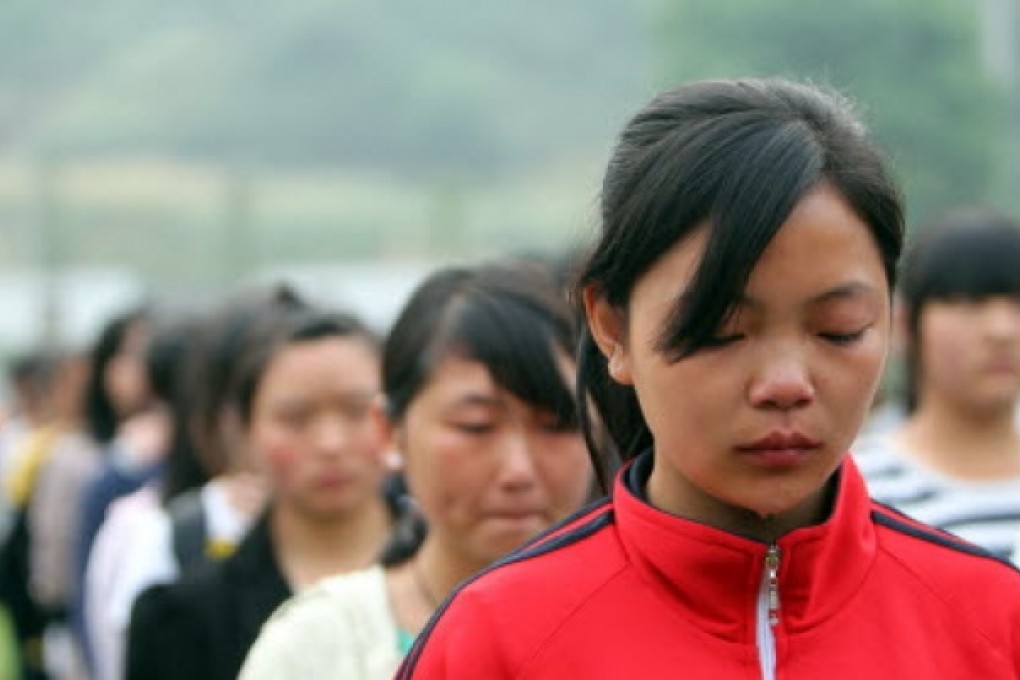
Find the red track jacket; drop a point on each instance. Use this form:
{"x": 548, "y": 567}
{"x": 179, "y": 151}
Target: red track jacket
{"x": 624, "y": 590}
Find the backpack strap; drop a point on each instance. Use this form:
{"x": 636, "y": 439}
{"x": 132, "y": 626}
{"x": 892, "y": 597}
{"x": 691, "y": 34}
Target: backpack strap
{"x": 188, "y": 529}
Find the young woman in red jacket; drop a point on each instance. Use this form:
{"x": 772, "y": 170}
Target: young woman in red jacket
{"x": 738, "y": 307}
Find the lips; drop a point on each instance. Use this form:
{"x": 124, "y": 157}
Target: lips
{"x": 1004, "y": 364}
{"x": 780, "y": 449}
{"x": 334, "y": 479}
{"x": 779, "y": 440}
{"x": 514, "y": 515}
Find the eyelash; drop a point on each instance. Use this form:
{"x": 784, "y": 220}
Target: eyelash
{"x": 844, "y": 338}
{"x": 474, "y": 428}
{"x": 840, "y": 339}
{"x": 721, "y": 341}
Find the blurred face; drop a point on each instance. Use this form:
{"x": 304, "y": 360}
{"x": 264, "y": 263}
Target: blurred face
{"x": 489, "y": 470}
{"x": 125, "y": 378}
{"x": 67, "y": 394}
{"x": 312, "y": 427}
{"x": 759, "y": 420}
{"x": 970, "y": 354}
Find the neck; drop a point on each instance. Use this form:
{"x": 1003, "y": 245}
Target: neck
{"x": 311, "y": 548}
{"x": 939, "y": 433}
{"x": 416, "y": 587}
{"x": 683, "y": 499}
{"x": 442, "y": 568}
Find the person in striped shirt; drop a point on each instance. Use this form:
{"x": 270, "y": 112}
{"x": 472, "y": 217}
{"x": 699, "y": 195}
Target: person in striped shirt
{"x": 954, "y": 461}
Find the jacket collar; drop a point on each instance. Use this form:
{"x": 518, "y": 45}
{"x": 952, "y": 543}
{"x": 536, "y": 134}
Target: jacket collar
{"x": 715, "y": 577}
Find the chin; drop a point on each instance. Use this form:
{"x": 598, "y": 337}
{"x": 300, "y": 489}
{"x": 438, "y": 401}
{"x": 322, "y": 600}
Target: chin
{"x": 774, "y": 506}
{"x": 499, "y": 546}
{"x": 769, "y": 511}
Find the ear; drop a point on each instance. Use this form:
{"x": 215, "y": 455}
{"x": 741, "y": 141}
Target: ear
{"x": 387, "y": 433}
{"x": 609, "y": 330}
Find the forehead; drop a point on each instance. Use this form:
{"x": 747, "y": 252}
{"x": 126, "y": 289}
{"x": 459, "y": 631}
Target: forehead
{"x": 454, "y": 375}
{"x": 335, "y": 359}
{"x": 821, "y": 245}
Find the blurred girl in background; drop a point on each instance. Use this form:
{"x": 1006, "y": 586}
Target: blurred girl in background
{"x": 955, "y": 462}
{"x": 477, "y": 378}
{"x": 208, "y": 491}
{"x": 93, "y": 397}
{"x": 304, "y": 391}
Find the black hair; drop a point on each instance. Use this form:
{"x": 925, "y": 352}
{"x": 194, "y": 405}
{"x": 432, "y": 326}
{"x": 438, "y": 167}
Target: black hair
{"x": 204, "y": 387}
{"x": 33, "y": 367}
{"x": 31, "y": 374}
{"x": 508, "y": 317}
{"x": 166, "y": 358}
{"x": 737, "y": 155}
{"x": 968, "y": 253}
{"x": 166, "y": 353}
{"x": 101, "y": 418}
{"x": 294, "y": 326}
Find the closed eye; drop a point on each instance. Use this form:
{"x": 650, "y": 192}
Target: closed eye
{"x": 475, "y": 428}
{"x": 843, "y": 338}
{"x": 722, "y": 340}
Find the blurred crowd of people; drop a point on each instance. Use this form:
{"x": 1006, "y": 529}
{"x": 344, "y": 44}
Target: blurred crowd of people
{"x": 167, "y": 490}
{"x": 270, "y": 489}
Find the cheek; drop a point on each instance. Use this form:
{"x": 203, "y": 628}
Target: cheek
{"x": 847, "y": 390}
{"x": 446, "y": 476}
{"x": 862, "y": 369}
{"x": 280, "y": 451}
{"x": 689, "y": 398}
{"x": 125, "y": 381}
{"x": 945, "y": 349}
{"x": 567, "y": 473}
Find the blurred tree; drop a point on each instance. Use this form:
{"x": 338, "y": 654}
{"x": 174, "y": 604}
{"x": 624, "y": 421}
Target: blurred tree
{"x": 912, "y": 66}
{"x": 454, "y": 87}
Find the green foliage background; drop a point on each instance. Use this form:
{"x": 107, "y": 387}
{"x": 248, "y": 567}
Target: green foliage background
{"x": 248, "y": 133}
{"x": 913, "y": 66}
{"x": 417, "y": 88}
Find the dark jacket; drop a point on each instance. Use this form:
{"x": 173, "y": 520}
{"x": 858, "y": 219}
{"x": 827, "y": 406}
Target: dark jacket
{"x": 200, "y": 628}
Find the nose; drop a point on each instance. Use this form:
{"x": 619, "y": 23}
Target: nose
{"x": 516, "y": 462}
{"x": 330, "y": 435}
{"x": 782, "y": 382}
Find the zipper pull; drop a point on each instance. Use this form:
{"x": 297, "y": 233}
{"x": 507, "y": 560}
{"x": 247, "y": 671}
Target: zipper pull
{"x": 772, "y": 568}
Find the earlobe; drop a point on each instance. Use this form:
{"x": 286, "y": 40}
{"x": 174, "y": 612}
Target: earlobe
{"x": 619, "y": 366}
{"x": 386, "y": 432}
{"x": 394, "y": 461}
{"x": 608, "y": 331}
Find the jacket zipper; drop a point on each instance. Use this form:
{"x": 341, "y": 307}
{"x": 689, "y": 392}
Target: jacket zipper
{"x": 768, "y": 613}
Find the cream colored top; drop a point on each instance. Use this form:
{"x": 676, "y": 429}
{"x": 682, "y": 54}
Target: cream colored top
{"x": 341, "y": 628}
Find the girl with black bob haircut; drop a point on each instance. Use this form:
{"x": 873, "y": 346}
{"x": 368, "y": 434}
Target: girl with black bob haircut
{"x": 954, "y": 460}
{"x": 477, "y": 372}
{"x": 738, "y": 306}
{"x": 966, "y": 255}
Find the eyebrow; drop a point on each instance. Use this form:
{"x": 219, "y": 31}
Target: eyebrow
{"x": 356, "y": 394}
{"x": 474, "y": 399}
{"x": 842, "y": 292}
{"x": 848, "y": 290}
